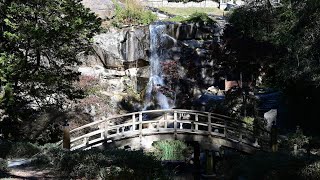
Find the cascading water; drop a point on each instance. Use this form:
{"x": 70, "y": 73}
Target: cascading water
{"x": 156, "y": 81}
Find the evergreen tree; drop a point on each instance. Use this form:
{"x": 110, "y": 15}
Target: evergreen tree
{"x": 39, "y": 44}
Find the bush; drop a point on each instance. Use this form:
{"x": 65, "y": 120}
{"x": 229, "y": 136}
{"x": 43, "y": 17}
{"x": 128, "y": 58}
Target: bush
{"x": 170, "y": 150}
{"x": 18, "y": 150}
{"x": 312, "y": 171}
{"x": 272, "y": 166}
{"x": 201, "y": 18}
{"x": 249, "y": 122}
{"x": 3, "y": 165}
{"x": 101, "y": 164}
{"x": 297, "y": 138}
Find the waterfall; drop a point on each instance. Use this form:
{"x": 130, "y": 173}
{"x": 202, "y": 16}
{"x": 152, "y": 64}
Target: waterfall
{"x": 154, "y": 96}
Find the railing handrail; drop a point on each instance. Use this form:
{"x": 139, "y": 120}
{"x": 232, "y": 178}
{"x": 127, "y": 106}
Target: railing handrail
{"x": 153, "y": 111}
{"x": 225, "y": 122}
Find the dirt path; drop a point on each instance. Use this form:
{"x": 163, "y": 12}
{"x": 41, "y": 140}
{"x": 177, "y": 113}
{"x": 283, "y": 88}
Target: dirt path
{"x": 31, "y": 173}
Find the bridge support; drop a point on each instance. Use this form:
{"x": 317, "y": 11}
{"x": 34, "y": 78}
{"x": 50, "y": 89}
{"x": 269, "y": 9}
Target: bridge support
{"x": 210, "y": 164}
{"x": 196, "y": 160}
{"x": 274, "y": 137}
{"x": 66, "y": 136}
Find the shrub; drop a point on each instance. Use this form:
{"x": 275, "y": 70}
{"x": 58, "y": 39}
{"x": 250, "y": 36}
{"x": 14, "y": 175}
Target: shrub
{"x": 101, "y": 164}
{"x": 249, "y": 122}
{"x": 312, "y": 171}
{"x": 272, "y": 166}
{"x": 297, "y": 138}
{"x": 3, "y": 165}
{"x": 18, "y": 150}
{"x": 201, "y": 18}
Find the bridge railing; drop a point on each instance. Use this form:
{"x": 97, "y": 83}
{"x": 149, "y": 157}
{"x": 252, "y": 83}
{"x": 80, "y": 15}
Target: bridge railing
{"x": 175, "y": 121}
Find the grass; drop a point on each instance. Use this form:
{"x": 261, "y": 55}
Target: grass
{"x": 170, "y": 149}
{"x": 191, "y": 10}
{"x": 132, "y": 14}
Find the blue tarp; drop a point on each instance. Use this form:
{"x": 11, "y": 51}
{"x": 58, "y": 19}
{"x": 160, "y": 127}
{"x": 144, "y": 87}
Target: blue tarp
{"x": 267, "y": 101}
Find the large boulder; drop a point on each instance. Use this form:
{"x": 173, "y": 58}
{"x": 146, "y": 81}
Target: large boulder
{"x": 270, "y": 116}
{"x": 116, "y": 48}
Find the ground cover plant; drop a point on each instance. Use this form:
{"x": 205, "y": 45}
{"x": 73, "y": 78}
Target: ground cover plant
{"x": 190, "y": 10}
{"x": 88, "y": 164}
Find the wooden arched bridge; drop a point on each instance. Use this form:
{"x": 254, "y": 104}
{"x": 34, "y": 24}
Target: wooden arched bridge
{"x": 139, "y": 129}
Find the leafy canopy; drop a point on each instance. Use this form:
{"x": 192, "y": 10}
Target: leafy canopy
{"x": 295, "y": 27}
{"x": 39, "y": 44}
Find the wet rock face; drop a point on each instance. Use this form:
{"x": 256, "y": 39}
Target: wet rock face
{"x": 135, "y": 44}
{"x": 121, "y": 59}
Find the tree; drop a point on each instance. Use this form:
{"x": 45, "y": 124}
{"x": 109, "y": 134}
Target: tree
{"x": 39, "y": 44}
{"x": 293, "y": 29}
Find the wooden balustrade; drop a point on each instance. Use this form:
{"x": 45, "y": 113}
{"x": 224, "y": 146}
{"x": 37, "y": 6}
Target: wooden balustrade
{"x": 166, "y": 121}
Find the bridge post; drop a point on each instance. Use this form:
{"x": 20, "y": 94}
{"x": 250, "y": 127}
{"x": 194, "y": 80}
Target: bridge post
{"x": 140, "y": 128}
{"x": 106, "y": 126}
{"x": 196, "y": 160}
{"x": 175, "y": 117}
{"x": 196, "y": 155}
{"x": 225, "y": 128}
{"x": 133, "y": 122}
{"x": 274, "y": 137}
{"x": 196, "y": 123}
{"x": 165, "y": 120}
{"x": 66, "y": 136}
{"x": 209, "y": 162}
{"x": 209, "y": 125}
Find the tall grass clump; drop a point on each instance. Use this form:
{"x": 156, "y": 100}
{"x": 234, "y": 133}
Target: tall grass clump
{"x": 133, "y": 13}
{"x": 170, "y": 150}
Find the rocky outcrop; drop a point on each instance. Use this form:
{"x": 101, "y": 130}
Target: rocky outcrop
{"x": 118, "y": 48}
{"x": 121, "y": 61}
{"x": 105, "y": 9}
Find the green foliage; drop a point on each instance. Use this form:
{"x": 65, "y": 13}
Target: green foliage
{"x": 297, "y": 138}
{"x": 18, "y": 150}
{"x": 132, "y": 14}
{"x": 200, "y": 18}
{"x": 270, "y": 166}
{"x": 101, "y": 164}
{"x": 3, "y": 165}
{"x": 39, "y": 44}
{"x": 290, "y": 28}
{"x": 311, "y": 171}
{"x": 170, "y": 149}
{"x": 176, "y": 19}
{"x": 249, "y": 121}
{"x": 187, "y": 11}
{"x": 186, "y": 1}
{"x": 239, "y": 102}
{"x": 197, "y": 17}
